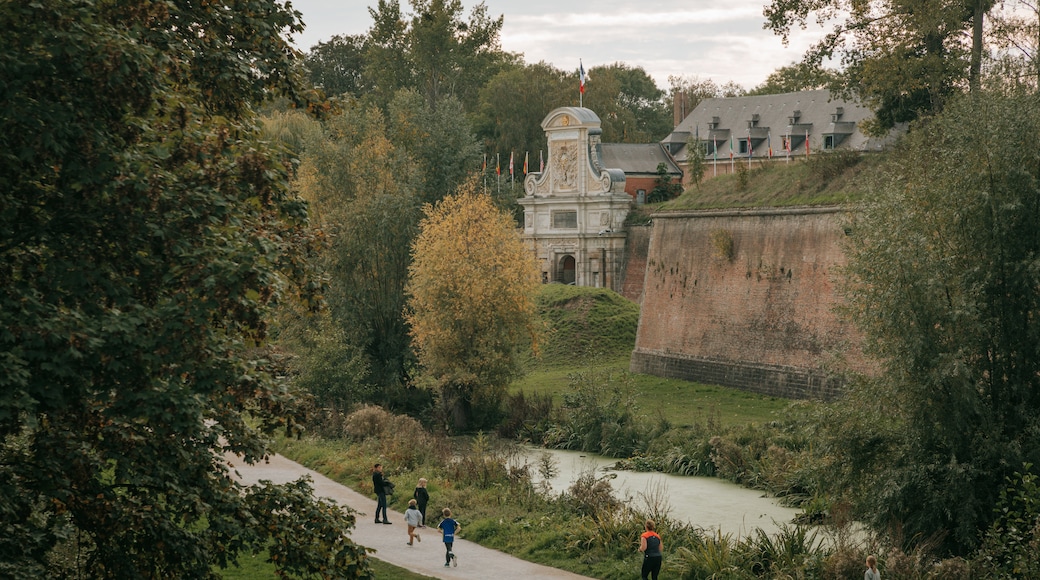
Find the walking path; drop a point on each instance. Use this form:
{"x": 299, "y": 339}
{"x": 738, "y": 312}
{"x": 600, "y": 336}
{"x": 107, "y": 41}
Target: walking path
{"x": 390, "y": 542}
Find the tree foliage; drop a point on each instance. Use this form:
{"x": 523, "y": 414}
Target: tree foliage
{"x": 904, "y": 58}
{"x": 944, "y": 283}
{"x": 362, "y": 189}
{"x": 471, "y": 306}
{"x": 433, "y": 50}
{"x": 337, "y": 64}
{"x": 797, "y": 77}
{"x": 144, "y": 231}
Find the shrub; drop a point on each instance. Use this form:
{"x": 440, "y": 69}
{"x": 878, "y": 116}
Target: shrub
{"x": 828, "y": 166}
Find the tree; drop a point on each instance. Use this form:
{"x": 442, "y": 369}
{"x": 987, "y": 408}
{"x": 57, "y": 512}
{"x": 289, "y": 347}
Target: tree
{"x": 435, "y": 51}
{"x": 439, "y": 140}
{"x": 665, "y": 187}
{"x": 513, "y": 104}
{"x": 471, "y": 306}
{"x": 362, "y": 189}
{"x": 628, "y": 103}
{"x": 337, "y": 65}
{"x": 942, "y": 280}
{"x": 797, "y": 77}
{"x": 146, "y": 231}
{"x": 691, "y": 91}
{"x": 904, "y": 58}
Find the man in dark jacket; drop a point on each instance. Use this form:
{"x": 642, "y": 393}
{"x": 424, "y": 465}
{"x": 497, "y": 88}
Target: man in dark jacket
{"x": 379, "y": 486}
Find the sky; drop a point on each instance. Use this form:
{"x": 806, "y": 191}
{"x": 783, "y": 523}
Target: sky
{"x": 696, "y": 39}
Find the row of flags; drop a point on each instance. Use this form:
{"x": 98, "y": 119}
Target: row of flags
{"x": 498, "y": 163}
{"x": 786, "y": 144}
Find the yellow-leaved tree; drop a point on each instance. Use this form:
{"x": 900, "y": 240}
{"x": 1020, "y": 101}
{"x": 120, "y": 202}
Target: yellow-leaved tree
{"x": 471, "y": 290}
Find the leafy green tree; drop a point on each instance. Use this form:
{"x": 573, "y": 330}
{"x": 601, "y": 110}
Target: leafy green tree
{"x": 439, "y": 140}
{"x": 337, "y": 65}
{"x": 665, "y": 186}
{"x": 513, "y": 104}
{"x": 905, "y": 58}
{"x": 146, "y": 230}
{"x": 693, "y": 90}
{"x": 797, "y": 77}
{"x": 943, "y": 282}
{"x": 434, "y": 51}
{"x": 471, "y": 306}
{"x": 629, "y": 104}
{"x": 362, "y": 191}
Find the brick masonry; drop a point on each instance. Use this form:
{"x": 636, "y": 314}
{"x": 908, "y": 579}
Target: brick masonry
{"x": 633, "y": 268}
{"x": 746, "y": 298}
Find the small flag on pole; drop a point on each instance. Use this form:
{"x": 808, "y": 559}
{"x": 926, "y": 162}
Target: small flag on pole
{"x": 582, "y": 77}
{"x": 769, "y": 143}
{"x": 510, "y": 163}
{"x": 806, "y": 142}
{"x": 498, "y": 164}
{"x": 541, "y": 162}
{"x": 525, "y": 162}
{"x": 484, "y": 167}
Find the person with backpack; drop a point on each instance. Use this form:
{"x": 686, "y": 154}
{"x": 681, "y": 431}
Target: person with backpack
{"x": 650, "y": 545}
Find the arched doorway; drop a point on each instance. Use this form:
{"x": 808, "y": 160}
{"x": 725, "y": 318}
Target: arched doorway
{"x": 566, "y": 271}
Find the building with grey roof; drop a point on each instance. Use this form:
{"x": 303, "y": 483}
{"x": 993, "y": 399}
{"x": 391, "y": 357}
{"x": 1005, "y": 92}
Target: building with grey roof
{"x": 774, "y": 126}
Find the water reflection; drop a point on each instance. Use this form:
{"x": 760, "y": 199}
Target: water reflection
{"x": 705, "y": 502}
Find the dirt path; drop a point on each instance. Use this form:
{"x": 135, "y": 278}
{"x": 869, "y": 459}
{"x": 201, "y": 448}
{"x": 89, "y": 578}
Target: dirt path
{"x": 390, "y": 542}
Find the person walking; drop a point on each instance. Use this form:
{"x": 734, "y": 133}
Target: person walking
{"x": 413, "y": 518}
{"x": 379, "y": 487}
{"x": 449, "y": 527}
{"x": 650, "y": 545}
{"x": 871, "y": 573}
{"x": 422, "y": 497}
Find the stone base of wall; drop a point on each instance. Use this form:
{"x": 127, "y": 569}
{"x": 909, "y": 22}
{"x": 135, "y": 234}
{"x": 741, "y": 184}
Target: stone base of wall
{"x": 770, "y": 380}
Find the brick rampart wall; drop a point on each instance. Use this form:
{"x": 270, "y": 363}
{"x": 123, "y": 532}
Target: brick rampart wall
{"x": 633, "y": 270}
{"x": 757, "y": 314}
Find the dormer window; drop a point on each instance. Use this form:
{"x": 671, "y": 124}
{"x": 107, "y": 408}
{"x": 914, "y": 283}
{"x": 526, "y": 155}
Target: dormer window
{"x": 714, "y": 124}
{"x": 793, "y": 119}
{"x": 836, "y": 116}
{"x": 753, "y": 121}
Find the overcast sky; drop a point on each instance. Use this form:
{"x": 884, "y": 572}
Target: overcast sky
{"x": 693, "y": 38}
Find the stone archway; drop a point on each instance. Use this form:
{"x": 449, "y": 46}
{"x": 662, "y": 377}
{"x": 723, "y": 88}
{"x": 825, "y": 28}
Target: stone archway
{"x": 565, "y": 272}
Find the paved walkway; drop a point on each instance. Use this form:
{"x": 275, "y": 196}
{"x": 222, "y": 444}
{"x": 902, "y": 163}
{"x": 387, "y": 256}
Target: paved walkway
{"x": 390, "y": 542}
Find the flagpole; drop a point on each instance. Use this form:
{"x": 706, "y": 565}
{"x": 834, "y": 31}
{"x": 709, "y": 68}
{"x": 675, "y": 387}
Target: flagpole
{"x": 749, "y": 153}
{"x": 715, "y": 156}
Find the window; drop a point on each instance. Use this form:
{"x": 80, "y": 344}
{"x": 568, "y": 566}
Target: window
{"x": 828, "y": 141}
{"x": 709, "y": 148}
{"x": 742, "y": 144}
{"x": 565, "y": 220}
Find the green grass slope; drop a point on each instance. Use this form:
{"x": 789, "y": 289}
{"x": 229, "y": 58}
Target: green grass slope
{"x": 822, "y": 179}
{"x": 584, "y": 325}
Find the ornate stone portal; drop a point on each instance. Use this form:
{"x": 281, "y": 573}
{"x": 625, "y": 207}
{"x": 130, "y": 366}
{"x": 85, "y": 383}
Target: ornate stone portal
{"x": 575, "y": 210}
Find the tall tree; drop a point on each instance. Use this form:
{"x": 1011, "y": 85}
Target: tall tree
{"x": 905, "y": 58}
{"x": 439, "y": 140}
{"x": 362, "y": 189}
{"x": 471, "y": 307}
{"x": 145, "y": 231}
{"x": 943, "y": 282}
{"x": 797, "y": 77}
{"x": 435, "y": 50}
{"x": 513, "y": 104}
{"x": 628, "y": 102}
{"x": 337, "y": 65}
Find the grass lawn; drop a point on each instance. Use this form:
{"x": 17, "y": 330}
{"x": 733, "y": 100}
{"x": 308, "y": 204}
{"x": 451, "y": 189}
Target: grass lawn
{"x": 258, "y": 568}
{"x": 681, "y": 402}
